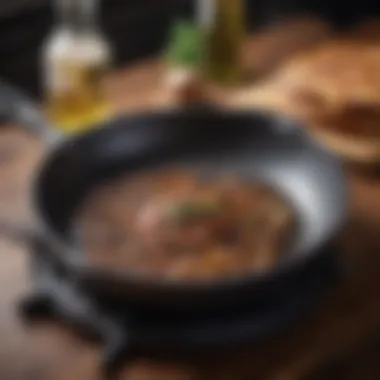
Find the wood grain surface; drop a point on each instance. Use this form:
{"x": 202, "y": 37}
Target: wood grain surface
{"x": 338, "y": 339}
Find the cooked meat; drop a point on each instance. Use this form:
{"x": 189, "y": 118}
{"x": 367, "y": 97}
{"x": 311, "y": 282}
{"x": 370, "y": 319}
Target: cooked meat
{"x": 174, "y": 225}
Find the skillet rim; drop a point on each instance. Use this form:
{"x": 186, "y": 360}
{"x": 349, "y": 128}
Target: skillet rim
{"x": 83, "y": 271}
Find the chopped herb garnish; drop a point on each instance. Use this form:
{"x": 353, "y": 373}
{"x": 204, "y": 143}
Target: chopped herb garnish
{"x": 188, "y": 211}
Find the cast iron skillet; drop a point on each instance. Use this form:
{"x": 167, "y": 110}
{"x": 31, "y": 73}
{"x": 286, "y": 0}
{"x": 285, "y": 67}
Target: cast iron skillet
{"x": 255, "y": 144}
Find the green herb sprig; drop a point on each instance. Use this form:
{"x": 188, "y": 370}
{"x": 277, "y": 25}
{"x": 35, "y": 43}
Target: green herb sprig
{"x": 186, "y": 45}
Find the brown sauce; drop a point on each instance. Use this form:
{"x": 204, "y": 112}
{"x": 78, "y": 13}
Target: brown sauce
{"x": 174, "y": 225}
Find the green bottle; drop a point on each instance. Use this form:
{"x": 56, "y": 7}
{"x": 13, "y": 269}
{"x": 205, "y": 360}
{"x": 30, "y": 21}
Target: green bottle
{"x": 224, "y": 26}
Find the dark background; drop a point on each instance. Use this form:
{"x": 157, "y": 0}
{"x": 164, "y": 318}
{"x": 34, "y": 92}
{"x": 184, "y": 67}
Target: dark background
{"x": 137, "y": 28}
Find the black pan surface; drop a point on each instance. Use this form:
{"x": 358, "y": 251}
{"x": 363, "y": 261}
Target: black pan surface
{"x": 256, "y": 145}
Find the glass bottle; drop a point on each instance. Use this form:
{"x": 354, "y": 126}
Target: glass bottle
{"x": 223, "y": 24}
{"x": 76, "y": 59}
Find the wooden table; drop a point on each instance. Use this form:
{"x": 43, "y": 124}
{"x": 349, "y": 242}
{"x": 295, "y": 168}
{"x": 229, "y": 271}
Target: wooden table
{"x": 340, "y": 339}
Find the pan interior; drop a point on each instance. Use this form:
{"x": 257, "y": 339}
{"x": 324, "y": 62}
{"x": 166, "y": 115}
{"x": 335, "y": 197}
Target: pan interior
{"x": 255, "y": 146}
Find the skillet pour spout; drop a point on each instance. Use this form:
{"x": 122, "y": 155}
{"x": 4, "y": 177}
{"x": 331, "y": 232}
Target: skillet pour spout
{"x": 261, "y": 146}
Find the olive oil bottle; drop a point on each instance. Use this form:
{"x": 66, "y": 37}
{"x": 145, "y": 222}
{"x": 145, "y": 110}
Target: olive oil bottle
{"x": 224, "y": 26}
{"x": 76, "y": 59}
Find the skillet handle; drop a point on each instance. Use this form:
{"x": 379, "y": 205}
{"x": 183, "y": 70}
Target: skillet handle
{"x": 17, "y": 108}
{"x": 18, "y": 233}
{"x": 36, "y": 242}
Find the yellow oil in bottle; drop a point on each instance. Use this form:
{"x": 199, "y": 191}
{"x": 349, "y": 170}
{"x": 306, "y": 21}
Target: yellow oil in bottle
{"x": 224, "y": 25}
{"x": 80, "y": 101}
{"x": 75, "y": 64}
